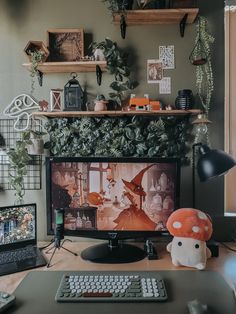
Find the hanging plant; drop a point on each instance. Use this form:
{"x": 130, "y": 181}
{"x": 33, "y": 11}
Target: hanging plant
{"x": 36, "y": 58}
{"x": 120, "y": 7}
{"x": 201, "y": 58}
{"x": 117, "y": 65}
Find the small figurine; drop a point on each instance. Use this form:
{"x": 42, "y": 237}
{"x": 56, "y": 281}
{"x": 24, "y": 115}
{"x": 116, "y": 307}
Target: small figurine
{"x": 43, "y": 104}
{"x": 190, "y": 228}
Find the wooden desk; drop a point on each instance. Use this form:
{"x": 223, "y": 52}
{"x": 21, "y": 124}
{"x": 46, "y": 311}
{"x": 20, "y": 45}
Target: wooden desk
{"x": 62, "y": 260}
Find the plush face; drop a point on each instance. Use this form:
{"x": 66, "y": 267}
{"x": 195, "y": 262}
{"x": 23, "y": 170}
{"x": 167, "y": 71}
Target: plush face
{"x": 188, "y": 252}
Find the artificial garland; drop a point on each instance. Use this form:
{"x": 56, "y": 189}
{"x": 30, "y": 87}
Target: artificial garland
{"x": 116, "y": 137}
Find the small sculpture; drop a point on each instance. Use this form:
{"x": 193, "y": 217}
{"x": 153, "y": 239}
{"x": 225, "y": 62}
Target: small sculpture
{"x": 190, "y": 228}
{"x": 43, "y": 104}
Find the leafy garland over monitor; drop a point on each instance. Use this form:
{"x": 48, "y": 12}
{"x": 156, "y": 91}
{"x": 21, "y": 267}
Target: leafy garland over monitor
{"x": 116, "y": 137}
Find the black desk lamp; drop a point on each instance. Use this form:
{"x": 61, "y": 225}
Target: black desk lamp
{"x": 211, "y": 163}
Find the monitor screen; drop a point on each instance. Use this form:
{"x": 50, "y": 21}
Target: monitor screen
{"x": 102, "y": 196}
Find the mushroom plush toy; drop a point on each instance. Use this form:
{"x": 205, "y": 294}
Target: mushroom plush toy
{"x": 191, "y": 229}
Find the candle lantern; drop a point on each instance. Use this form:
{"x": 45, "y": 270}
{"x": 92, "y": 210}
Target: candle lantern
{"x": 73, "y": 95}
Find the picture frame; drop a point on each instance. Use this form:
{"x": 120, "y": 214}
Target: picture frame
{"x": 66, "y": 44}
{"x": 154, "y": 71}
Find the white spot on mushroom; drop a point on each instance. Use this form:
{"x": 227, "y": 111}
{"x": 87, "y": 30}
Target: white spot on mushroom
{"x": 177, "y": 224}
{"x": 195, "y": 229}
{"x": 202, "y": 215}
{"x": 206, "y": 228}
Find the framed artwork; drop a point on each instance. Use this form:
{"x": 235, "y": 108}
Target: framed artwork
{"x": 56, "y": 99}
{"x": 66, "y": 44}
{"x": 154, "y": 71}
{"x": 167, "y": 56}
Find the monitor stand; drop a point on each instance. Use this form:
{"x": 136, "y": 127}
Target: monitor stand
{"x": 113, "y": 252}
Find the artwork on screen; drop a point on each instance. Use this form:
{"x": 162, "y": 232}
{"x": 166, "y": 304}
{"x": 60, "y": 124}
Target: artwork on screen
{"x": 114, "y": 195}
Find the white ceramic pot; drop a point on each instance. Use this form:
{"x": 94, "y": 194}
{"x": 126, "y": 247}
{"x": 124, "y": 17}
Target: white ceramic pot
{"x": 36, "y": 148}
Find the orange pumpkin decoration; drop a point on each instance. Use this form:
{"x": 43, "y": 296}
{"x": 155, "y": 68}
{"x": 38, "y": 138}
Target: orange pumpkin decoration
{"x": 95, "y": 198}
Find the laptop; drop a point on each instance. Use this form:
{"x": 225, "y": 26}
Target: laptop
{"x": 18, "y": 239}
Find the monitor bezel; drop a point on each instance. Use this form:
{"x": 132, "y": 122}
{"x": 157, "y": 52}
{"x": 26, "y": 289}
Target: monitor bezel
{"x": 107, "y": 234}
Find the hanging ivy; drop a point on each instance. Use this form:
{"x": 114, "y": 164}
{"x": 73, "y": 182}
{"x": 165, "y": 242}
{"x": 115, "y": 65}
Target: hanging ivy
{"x": 204, "y": 73}
{"x": 116, "y": 137}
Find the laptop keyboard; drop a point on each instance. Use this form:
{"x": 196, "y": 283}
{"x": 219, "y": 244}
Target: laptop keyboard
{"x": 17, "y": 255}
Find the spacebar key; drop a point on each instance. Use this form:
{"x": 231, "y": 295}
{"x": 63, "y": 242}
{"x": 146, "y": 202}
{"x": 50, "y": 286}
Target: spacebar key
{"x": 97, "y": 294}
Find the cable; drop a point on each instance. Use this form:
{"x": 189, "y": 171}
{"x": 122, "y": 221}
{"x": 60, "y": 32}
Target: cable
{"x": 227, "y": 247}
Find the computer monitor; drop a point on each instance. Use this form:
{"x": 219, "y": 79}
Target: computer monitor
{"x": 113, "y": 199}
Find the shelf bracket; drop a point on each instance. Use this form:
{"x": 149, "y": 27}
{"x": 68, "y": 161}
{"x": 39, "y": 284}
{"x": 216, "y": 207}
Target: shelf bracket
{"x": 40, "y": 77}
{"x": 182, "y": 24}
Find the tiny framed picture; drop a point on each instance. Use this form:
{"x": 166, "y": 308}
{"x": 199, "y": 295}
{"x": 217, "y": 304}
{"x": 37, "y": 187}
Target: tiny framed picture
{"x": 154, "y": 71}
{"x": 66, "y": 44}
{"x": 56, "y": 99}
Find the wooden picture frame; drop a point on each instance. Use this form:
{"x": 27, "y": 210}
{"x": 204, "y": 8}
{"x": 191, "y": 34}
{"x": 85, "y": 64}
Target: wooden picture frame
{"x": 66, "y": 44}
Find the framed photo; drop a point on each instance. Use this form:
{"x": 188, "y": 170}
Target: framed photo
{"x": 56, "y": 99}
{"x": 154, "y": 71}
{"x": 66, "y": 44}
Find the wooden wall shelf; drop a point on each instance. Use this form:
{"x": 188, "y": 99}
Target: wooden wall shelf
{"x": 68, "y": 67}
{"x": 74, "y": 114}
{"x": 164, "y": 16}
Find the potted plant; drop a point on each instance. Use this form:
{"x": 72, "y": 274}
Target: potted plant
{"x": 120, "y": 7}
{"x": 117, "y": 64}
{"x": 37, "y": 52}
{"x": 34, "y": 142}
{"x": 31, "y": 143}
{"x": 18, "y": 159}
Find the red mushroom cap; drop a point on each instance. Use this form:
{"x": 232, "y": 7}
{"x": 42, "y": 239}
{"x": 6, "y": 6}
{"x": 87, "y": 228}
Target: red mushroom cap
{"x": 190, "y": 223}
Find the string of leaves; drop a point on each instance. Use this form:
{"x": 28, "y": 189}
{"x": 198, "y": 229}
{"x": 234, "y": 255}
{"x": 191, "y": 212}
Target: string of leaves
{"x": 115, "y": 137}
{"x": 117, "y": 65}
{"x": 204, "y": 73}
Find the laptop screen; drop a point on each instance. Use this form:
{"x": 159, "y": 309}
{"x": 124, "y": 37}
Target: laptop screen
{"x": 17, "y": 226}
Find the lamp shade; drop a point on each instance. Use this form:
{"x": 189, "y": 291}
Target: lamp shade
{"x": 213, "y": 163}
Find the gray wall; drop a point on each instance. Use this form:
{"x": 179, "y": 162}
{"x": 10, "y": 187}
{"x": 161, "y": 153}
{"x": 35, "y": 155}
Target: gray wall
{"x": 21, "y": 21}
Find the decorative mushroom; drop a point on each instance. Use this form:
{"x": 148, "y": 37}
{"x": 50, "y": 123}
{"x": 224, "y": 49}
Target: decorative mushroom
{"x": 190, "y": 228}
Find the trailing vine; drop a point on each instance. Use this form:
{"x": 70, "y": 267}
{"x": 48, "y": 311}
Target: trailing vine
{"x": 117, "y": 65}
{"x": 115, "y": 137}
{"x": 204, "y": 73}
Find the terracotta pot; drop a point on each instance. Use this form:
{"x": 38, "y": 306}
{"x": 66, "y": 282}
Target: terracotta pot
{"x": 100, "y": 105}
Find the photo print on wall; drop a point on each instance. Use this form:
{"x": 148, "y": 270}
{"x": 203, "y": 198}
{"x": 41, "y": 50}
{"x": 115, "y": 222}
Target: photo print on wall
{"x": 167, "y": 56}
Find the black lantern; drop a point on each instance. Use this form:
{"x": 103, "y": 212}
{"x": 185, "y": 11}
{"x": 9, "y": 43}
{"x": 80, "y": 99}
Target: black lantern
{"x": 73, "y": 95}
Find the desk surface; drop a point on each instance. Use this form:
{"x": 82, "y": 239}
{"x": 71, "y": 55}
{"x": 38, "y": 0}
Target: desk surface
{"x": 36, "y": 294}
{"x": 62, "y": 260}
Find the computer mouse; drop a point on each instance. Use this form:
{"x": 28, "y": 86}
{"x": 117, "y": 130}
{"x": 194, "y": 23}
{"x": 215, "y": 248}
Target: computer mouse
{"x": 196, "y": 307}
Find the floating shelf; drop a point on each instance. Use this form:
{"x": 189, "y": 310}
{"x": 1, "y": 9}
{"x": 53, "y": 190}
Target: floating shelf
{"x": 68, "y": 67}
{"x": 74, "y": 114}
{"x": 164, "y": 16}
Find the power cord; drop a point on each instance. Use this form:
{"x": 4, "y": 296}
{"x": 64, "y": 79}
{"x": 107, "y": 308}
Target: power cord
{"x": 227, "y": 247}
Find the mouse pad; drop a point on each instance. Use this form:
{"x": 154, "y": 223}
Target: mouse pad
{"x": 36, "y": 294}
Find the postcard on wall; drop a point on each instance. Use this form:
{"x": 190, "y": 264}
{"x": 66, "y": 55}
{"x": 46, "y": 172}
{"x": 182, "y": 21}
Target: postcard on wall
{"x": 167, "y": 56}
{"x": 154, "y": 71}
{"x": 165, "y": 86}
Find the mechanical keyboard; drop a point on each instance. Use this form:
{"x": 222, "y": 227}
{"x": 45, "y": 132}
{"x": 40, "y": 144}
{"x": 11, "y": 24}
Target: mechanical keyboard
{"x": 111, "y": 287}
